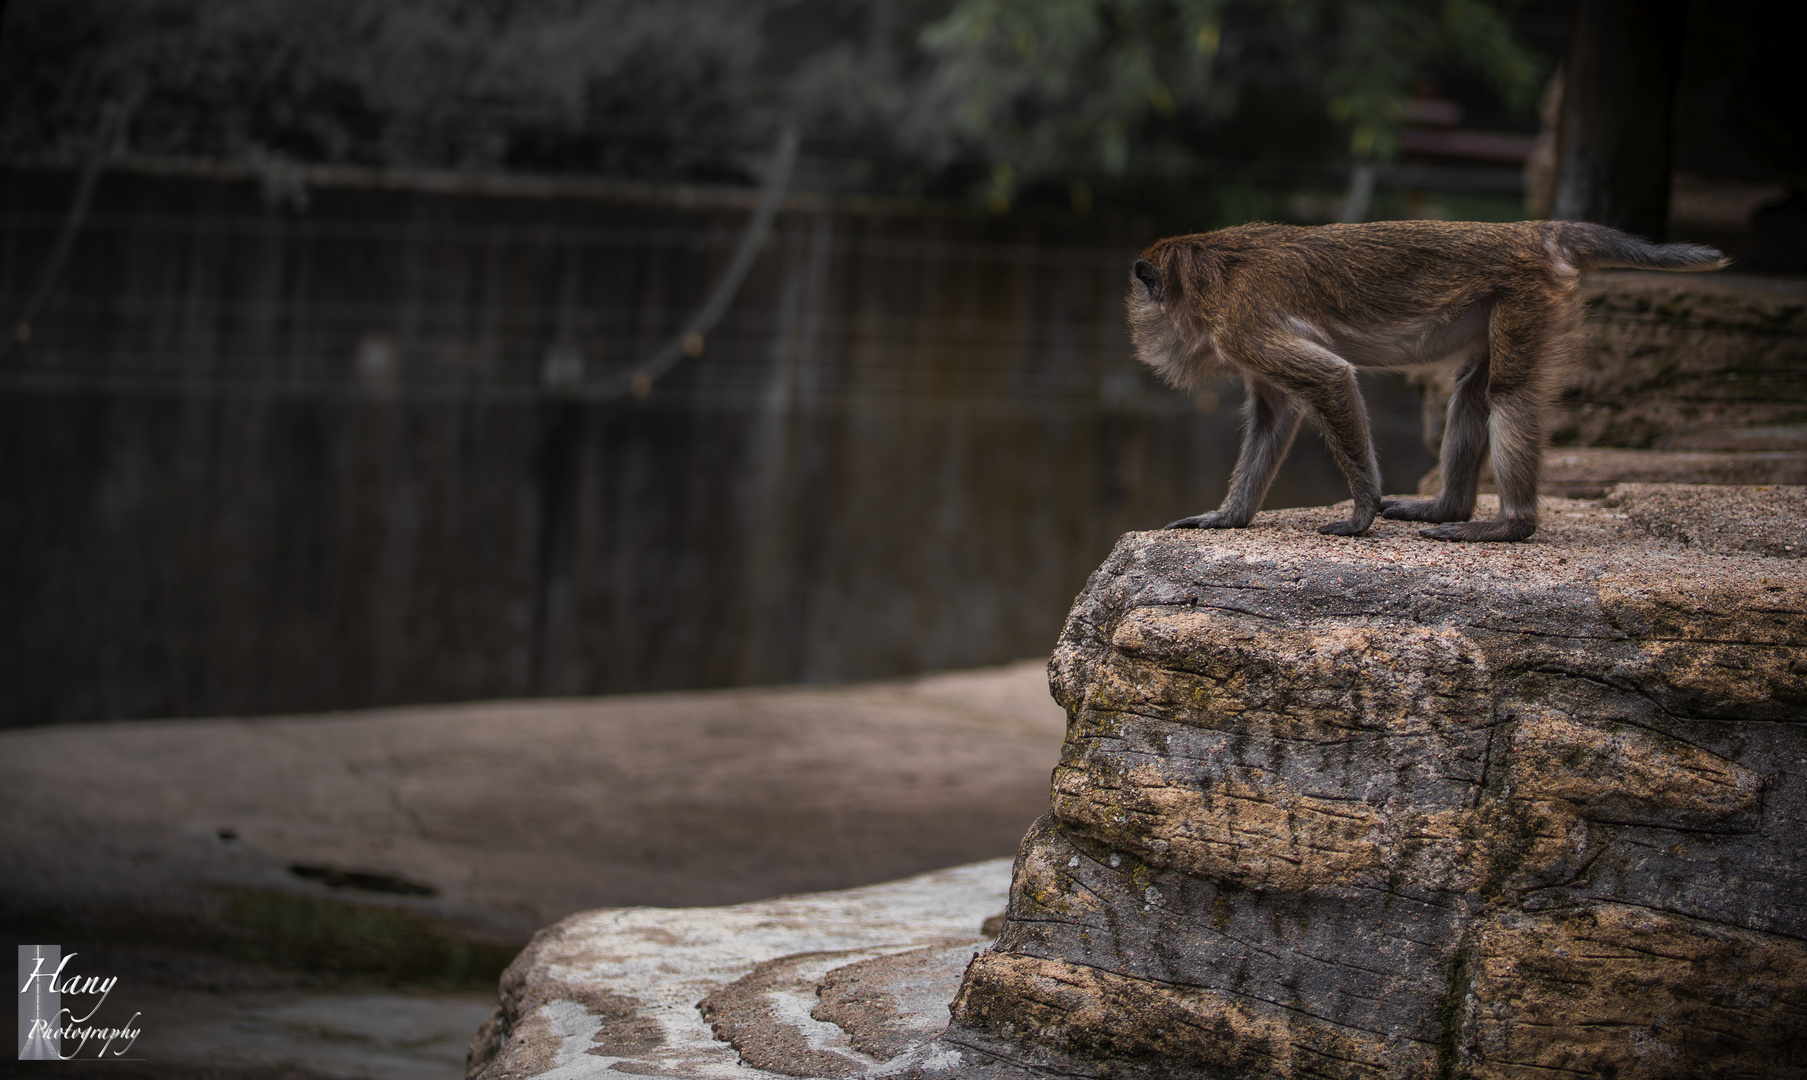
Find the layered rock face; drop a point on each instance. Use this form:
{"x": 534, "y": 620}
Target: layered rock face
{"x": 1684, "y": 378}
{"x": 1382, "y": 807}
{"x": 1689, "y": 362}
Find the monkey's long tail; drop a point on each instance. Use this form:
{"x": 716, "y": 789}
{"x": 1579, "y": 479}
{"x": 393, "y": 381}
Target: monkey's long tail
{"x": 1597, "y": 247}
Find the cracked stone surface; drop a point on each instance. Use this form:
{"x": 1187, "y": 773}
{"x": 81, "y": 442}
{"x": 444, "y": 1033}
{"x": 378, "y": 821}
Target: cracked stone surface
{"x": 823, "y": 985}
{"x": 1383, "y": 807}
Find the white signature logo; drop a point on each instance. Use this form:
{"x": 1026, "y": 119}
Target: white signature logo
{"x": 48, "y": 1026}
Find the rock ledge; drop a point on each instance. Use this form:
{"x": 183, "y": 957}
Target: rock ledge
{"x": 1382, "y": 807}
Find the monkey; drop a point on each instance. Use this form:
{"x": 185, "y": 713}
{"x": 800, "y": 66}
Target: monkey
{"x": 1295, "y": 310}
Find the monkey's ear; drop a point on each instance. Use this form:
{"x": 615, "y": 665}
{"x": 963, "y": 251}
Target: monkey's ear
{"x": 1150, "y": 277}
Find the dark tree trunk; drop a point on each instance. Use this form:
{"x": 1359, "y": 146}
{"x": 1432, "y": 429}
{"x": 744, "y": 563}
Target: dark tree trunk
{"x": 1613, "y": 138}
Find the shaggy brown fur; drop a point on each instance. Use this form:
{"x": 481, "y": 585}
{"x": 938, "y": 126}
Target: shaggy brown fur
{"x": 1296, "y": 310}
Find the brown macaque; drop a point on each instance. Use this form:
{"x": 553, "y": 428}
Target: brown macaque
{"x": 1295, "y": 311}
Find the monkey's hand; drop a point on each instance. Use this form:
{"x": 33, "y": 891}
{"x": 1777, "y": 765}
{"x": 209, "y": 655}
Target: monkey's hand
{"x": 1346, "y": 528}
{"x": 1420, "y": 510}
{"x": 1216, "y": 519}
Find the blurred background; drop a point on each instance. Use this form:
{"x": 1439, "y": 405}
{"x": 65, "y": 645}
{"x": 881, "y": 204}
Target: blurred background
{"x": 371, "y": 354}
{"x": 327, "y": 379}
{"x": 319, "y": 387}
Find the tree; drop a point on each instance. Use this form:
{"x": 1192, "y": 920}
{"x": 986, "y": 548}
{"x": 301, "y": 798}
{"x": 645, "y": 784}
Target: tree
{"x": 1060, "y": 90}
{"x": 1003, "y": 98}
{"x": 1613, "y": 137}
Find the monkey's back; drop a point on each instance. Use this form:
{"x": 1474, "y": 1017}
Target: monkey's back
{"x": 1363, "y": 274}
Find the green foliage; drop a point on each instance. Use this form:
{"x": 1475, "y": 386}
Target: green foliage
{"x": 1053, "y": 89}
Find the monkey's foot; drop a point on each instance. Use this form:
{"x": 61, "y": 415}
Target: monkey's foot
{"x": 1345, "y": 528}
{"x": 1216, "y": 519}
{"x": 1498, "y": 531}
{"x": 1421, "y": 510}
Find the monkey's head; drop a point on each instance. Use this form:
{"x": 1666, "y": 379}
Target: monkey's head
{"x": 1160, "y": 326}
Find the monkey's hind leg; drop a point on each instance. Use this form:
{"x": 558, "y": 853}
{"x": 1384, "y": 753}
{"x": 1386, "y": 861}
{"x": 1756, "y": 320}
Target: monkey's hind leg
{"x": 1525, "y": 339}
{"x": 1270, "y": 420}
{"x": 1464, "y": 447}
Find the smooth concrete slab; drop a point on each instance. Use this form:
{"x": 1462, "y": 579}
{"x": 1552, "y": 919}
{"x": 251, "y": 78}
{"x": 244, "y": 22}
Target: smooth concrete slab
{"x": 333, "y": 896}
{"x": 367, "y": 1034}
{"x": 366, "y": 841}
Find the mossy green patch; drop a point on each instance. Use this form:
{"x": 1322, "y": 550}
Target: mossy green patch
{"x": 317, "y": 933}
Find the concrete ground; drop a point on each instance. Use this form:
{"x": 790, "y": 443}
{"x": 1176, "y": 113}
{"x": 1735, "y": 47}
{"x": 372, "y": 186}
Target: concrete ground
{"x": 332, "y": 896}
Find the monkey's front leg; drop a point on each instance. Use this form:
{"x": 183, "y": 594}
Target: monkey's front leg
{"x": 1270, "y": 419}
{"x": 1327, "y": 383}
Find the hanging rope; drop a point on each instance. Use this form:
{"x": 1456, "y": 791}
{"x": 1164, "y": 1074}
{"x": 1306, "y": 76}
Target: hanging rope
{"x": 689, "y": 343}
